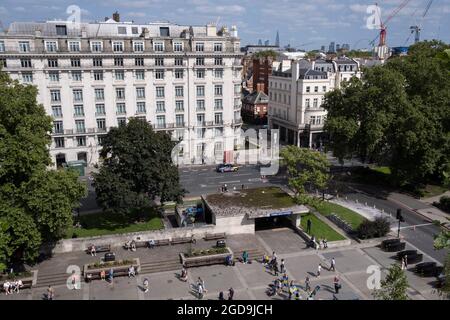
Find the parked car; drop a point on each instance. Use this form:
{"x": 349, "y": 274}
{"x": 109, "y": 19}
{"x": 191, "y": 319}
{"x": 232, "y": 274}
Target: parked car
{"x": 226, "y": 167}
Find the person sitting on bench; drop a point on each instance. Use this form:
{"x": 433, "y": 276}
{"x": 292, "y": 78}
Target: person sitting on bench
{"x": 92, "y": 249}
{"x": 131, "y": 272}
{"x": 151, "y": 243}
{"x": 133, "y": 245}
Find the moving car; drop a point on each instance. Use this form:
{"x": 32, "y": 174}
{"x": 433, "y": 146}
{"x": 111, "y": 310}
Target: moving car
{"x": 226, "y": 167}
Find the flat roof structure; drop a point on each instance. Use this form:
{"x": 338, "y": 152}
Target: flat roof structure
{"x": 254, "y": 203}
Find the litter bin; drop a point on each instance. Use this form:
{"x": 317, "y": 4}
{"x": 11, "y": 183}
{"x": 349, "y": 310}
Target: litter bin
{"x": 109, "y": 256}
{"x": 221, "y": 244}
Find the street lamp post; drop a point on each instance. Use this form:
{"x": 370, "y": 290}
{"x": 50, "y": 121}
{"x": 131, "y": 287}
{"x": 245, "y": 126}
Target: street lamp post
{"x": 400, "y": 219}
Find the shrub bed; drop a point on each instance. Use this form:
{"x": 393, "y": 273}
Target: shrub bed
{"x": 15, "y": 275}
{"x": 110, "y": 264}
{"x": 373, "y": 229}
{"x": 206, "y": 252}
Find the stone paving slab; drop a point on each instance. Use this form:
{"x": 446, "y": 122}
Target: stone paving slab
{"x": 300, "y": 267}
{"x": 282, "y": 240}
{"x": 163, "y": 286}
{"x": 123, "y": 288}
{"x": 61, "y": 293}
{"x": 255, "y": 274}
{"x": 217, "y": 278}
{"x": 348, "y": 260}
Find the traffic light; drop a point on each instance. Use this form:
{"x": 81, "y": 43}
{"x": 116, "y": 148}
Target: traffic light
{"x": 399, "y": 215}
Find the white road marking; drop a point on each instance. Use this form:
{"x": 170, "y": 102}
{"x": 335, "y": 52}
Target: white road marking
{"x": 415, "y": 225}
{"x": 237, "y": 181}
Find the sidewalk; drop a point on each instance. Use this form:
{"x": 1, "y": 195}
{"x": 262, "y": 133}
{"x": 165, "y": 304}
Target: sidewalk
{"x": 426, "y": 210}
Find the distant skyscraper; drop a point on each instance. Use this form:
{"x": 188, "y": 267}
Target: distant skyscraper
{"x": 266, "y": 43}
{"x": 338, "y": 47}
{"x": 277, "y": 39}
{"x": 260, "y": 42}
{"x": 346, "y": 46}
{"x": 331, "y": 47}
{"x": 322, "y": 48}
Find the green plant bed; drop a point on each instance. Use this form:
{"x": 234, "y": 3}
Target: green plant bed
{"x": 15, "y": 275}
{"x": 206, "y": 252}
{"x": 320, "y": 229}
{"x": 353, "y": 218}
{"x": 105, "y": 223}
{"x": 105, "y": 265}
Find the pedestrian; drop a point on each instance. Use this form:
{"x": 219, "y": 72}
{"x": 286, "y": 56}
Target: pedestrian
{"x": 307, "y": 284}
{"x": 221, "y": 296}
{"x": 333, "y": 265}
{"x": 50, "y": 293}
{"x": 19, "y": 284}
{"x": 242, "y": 187}
{"x": 184, "y": 274}
{"x": 102, "y": 275}
{"x": 145, "y": 285}
{"x": 111, "y": 275}
{"x": 405, "y": 258}
{"x": 285, "y": 280}
{"x": 279, "y": 286}
{"x": 275, "y": 268}
{"x": 337, "y": 285}
{"x": 202, "y": 282}
{"x": 308, "y": 226}
{"x": 291, "y": 289}
{"x": 297, "y": 295}
{"x": 319, "y": 268}
{"x": 325, "y": 243}
{"x": 225, "y": 188}
{"x": 93, "y": 252}
{"x": 282, "y": 266}
{"x": 234, "y": 189}
{"x": 230, "y": 293}
{"x": 74, "y": 280}
{"x": 245, "y": 257}
{"x": 200, "y": 290}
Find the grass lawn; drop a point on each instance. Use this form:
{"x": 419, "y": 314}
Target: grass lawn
{"x": 383, "y": 170}
{"x": 433, "y": 190}
{"x": 326, "y": 208}
{"x": 320, "y": 229}
{"x": 104, "y": 223}
{"x": 268, "y": 197}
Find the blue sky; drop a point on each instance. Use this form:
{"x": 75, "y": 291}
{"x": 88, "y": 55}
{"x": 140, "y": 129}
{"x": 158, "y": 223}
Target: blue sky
{"x": 305, "y": 23}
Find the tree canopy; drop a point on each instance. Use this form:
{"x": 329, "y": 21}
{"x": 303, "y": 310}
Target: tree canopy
{"x": 394, "y": 286}
{"x": 306, "y": 169}
{"x": 137, "y": 168}
{"x": 398, "y": 115}
{"x": 36, "y": 203}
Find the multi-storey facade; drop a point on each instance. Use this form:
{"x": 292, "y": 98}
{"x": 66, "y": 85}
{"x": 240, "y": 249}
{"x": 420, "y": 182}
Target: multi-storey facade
{"x": 296, "y": 96}
{"x": 94, "y": 76}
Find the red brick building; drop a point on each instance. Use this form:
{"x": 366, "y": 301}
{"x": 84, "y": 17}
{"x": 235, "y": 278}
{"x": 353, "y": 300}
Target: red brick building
{"x": 254, "y": 106}
{"x": 262, "y": 68}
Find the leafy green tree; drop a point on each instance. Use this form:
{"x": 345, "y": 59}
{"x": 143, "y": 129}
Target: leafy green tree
{"x": 397, "y": 115}
{"x": 394, "y": 286}
{"x": 137, "y": 168}
{"x": 36, "y": 203}
{"x": 306, "y": 169}
{"x": 442, "y": 242}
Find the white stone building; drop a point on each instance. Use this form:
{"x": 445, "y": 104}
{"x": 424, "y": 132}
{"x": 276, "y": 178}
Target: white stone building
{"x": 94, "y": 76}
{"x": 297, "y": 92}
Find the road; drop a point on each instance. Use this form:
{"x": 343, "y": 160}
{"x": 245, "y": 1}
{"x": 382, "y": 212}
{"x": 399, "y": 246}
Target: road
{"x": 204, "y": 180}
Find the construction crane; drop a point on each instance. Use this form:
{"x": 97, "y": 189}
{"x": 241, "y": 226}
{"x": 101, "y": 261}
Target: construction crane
{"x": 383, "y": 32}
{"x": 417, "y": 28}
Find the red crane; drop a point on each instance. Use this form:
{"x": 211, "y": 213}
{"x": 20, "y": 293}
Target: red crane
{"x": 383, "y": 31}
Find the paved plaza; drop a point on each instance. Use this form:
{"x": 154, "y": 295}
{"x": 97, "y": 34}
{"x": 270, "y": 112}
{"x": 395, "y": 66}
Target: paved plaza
{"x": 249, "y": 281}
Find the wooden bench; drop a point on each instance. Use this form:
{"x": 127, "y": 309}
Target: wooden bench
{"x": 162, "y": 242}
{"x": 183, "y": 240}
{"x": 105, "y": 248}
{"x": 138, "y": 244}
{"x": 215, "y": 236}
{"x": 95, "y": 275}
{"x": 26, "y": 284}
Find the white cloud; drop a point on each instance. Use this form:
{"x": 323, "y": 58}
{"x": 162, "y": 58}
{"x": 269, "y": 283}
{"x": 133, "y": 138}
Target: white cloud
{"x": 213, "y": 9}
{"x": 360, "y": 8}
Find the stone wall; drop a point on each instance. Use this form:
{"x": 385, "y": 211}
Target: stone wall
{"x": 232, "y": 225}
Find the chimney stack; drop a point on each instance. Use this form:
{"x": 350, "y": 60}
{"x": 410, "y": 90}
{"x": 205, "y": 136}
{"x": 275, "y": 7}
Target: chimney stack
{"x": 116, "y": 16}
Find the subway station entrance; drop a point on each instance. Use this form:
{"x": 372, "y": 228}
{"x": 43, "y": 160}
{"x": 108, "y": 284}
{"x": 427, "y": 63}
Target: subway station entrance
{"x": 274, "y": 221}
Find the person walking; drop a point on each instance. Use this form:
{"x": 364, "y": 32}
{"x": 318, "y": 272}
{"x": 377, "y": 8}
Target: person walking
{"x": 221, "y": 295}
{"x": 275, "y": 268}
{"x": 111, "y": 275}
{"x": 145, "y": 285}
{"x": 337, "y": 285}
{"x": 282, "y": 266}
{"x": 230, "y": 293}
{"x": 307, "y": 284}
{"x": 50, "y": 293}
{"x": 200, "y": 290}
{"x": 333, "y": 265}
{"x": 202, "y": 282}
{"x": 405, "y": 258}
{"x": 319, "y": 268}
{"x": 245, "y": 257}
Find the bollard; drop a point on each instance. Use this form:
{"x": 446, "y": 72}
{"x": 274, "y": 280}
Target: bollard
{"x": 365, "y": 204}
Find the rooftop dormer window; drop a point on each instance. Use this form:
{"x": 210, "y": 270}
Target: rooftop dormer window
{"x": 164, "y": 31}
{"x": 61, "y": 30}
{"x": 122, "y": 30}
